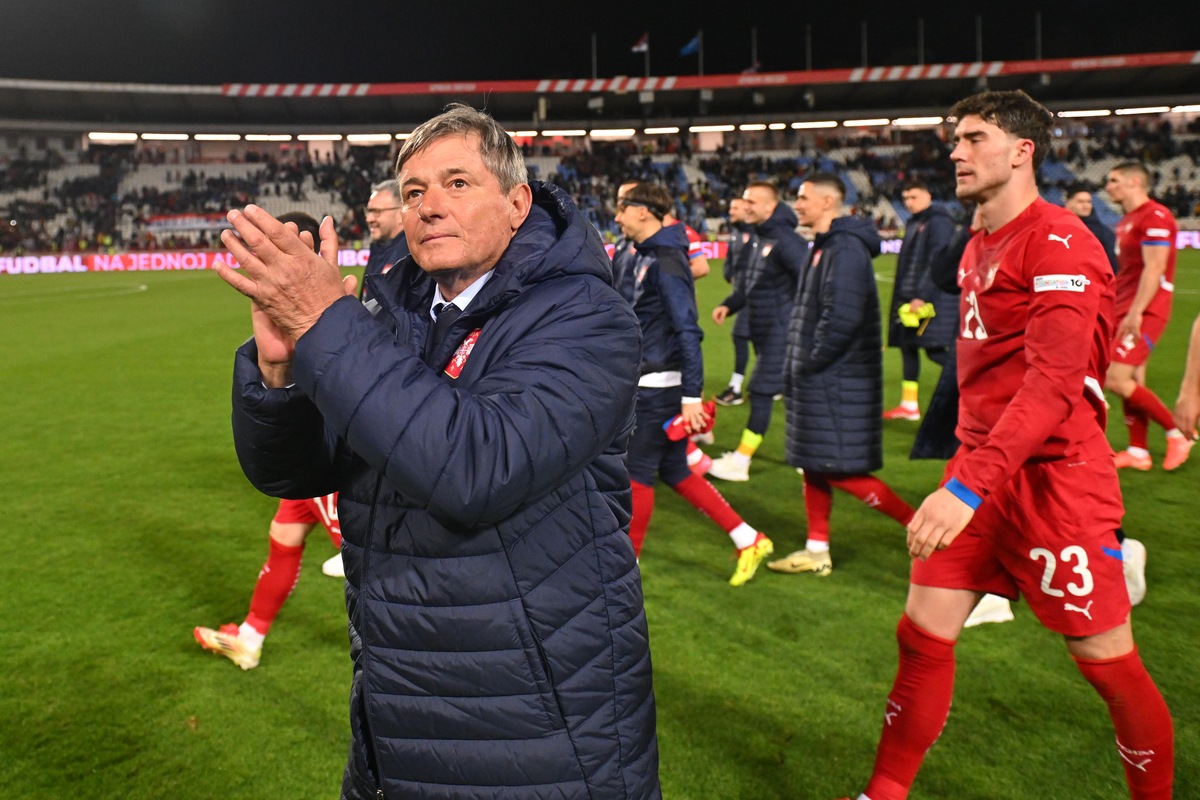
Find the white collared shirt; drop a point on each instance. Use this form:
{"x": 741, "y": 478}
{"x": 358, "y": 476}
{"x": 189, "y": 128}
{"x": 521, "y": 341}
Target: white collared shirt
{"x": 464, "y": 297}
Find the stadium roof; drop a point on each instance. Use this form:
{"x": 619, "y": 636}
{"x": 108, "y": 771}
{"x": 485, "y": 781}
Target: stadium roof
{"x": 1169, "y": 79}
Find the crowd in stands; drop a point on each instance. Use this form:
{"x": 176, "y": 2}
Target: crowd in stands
{"x": 109, "y": 208}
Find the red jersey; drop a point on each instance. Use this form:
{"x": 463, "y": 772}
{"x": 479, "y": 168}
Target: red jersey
{"x": 1148, "y": 225}
{"x": 695, "y": 248}
{"x": 1036, "y": 320}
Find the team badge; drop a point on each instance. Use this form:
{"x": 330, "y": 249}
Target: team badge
{"x": 816, "y": 259}
{"x": 455, "y": 366}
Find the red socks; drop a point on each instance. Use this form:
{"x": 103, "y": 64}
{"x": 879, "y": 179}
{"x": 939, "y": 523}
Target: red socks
{"x": 1147, "y": 403}
{"x": 1145, "y": 734}
{"x": 704, "y": 496}
{"x": 643, "y": 509}
{"x": 916, "y": 712}
{"x": 275, "y": 582}
{"x": 818, "y": 499}
{"x": 1137, "y": 423}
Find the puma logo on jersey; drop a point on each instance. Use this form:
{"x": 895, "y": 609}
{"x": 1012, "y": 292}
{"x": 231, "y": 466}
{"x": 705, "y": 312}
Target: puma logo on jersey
{"x": 972, "y": 323}
{"x": 1054, "y": 237}
{"x": 1086, "y": 610}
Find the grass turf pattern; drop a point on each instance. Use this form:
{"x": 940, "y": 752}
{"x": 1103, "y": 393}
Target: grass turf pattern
{"x": 127, "y": 521}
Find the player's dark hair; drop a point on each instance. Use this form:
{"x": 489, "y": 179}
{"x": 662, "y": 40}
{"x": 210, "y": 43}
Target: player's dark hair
{"x": 1076, "y": 188}
{"x": 650, "y": 195}
{"x": 915, "y": 183}
{"x": 829, "y": 181}
{"x": 770, "y": 187}
{"x": 1135, "y": 168}
{"x": 1013, "y": 112}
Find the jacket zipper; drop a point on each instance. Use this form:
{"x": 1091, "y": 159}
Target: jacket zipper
{"x": 361, "y": 611}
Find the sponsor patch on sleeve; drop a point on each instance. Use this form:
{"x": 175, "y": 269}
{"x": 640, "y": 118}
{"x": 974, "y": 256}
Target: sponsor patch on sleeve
{"x": 1060, "y": 283}
{"x": 1161, "y": 233}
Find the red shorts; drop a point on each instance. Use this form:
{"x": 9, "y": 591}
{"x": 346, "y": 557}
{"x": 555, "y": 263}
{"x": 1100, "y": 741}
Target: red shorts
{"x": 315, "y": 510}
{"x": 1134, "y": 352}
{"x": 1048, "y": 534}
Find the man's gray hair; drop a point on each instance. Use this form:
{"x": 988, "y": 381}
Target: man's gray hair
{"x": 497, "y": 149}
{"x": 391, "y": 185}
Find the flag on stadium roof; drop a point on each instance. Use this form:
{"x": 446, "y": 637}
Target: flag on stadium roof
{"x": 642, "y": 45}
{"x": 692, "y": 47}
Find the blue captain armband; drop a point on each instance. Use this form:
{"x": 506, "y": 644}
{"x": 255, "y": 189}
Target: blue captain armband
{"x": 963, "y": 493}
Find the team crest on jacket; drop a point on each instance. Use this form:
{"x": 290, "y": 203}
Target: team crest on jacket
{"x": 766, "y": 249}
{"x": 816, "y": 259}
{"x": 455, "y": 366}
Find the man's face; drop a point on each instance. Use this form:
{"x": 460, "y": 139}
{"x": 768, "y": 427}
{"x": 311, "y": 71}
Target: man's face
{"x": 737, "y": 210}
{"x": 621, "y": 191}
{"x": 811, "y": 204}
{"x": 383, "y": 216}
{"x": 984, "y": 158}
{"x": 1120, "y": 184}
{"x": 916, "y": 200}
{"x": 759, "y": 204}
{"x": 1080, "y": 204}
{"x": 456, "y": 217}
{"x": 634, "y": 220}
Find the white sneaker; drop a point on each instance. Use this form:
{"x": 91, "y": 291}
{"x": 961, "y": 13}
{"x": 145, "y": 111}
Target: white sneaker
{"x": 730, "y": 468}
{"x": 333, "y": 567}
{"x": 704, "y": 438}
{"x": 991, "y": 608}
{"x": 1133, "y": 554}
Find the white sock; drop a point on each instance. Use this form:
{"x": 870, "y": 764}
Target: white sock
{"x": 741, "y": 459}
{"x": 1139, "y": 452}
{"x": 735, "y": 382}
{"x": 1174, "y": 433}
{"x": 743, "y": 536}
{"x": 816, "y": 546}
{"x": 252, "y": 638}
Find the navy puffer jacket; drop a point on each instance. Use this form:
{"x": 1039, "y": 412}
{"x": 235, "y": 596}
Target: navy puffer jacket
{"x": 834, "y": 378}
{"x": 768, "y": 285}
{"x": 497, "y": 628}
{"x": 928, "y": 235}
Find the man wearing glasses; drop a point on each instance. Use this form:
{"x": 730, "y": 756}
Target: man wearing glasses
{"x": 386, "y": 228}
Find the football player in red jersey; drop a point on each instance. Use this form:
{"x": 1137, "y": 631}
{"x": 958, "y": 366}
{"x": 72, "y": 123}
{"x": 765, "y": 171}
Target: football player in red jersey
{"x": 1031, "y": 500}
{"x": 1145, "y": 284}
{"x": 293, "y": 522}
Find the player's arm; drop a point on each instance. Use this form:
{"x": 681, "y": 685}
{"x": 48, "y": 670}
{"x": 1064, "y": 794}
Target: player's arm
{"x": 1059, "y": 334}
{"x": 699, "y": 266}
{"x": 679, "y": 298}
{"x": 1187, "y": 406}
{"x": 1154, "y": 260}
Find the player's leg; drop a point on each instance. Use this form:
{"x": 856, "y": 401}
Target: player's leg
{"x": 764, "y": 384}
{"x": 1145, "y": 733}
{"x": 818, "y": 506}
{"x": 919, "y": 702}
{"x": 910, "y": 358}
{"x": 645, "y": 453}
{"x": 242, "y": 644}
{"x": 752, "y": 546}
{"x": 876, "y": 494}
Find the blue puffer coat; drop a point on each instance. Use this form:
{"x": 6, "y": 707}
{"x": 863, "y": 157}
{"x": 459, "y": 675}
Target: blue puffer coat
{"x": 928, "y": 235}
{"x": 497, "y": 628}
{"x": 834, "y": 377}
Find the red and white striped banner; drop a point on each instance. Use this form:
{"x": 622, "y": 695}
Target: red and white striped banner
{"x": 623, "y": 83}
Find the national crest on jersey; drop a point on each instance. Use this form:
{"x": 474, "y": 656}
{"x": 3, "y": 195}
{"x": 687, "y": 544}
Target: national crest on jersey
{"x": 454, "y": 366}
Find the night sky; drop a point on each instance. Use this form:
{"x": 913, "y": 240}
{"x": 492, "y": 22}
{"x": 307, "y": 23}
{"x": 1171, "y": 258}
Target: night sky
{"x": 219, "y": 41}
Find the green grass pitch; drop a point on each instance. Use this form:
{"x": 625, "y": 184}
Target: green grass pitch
{"x": 126, "y": 522}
